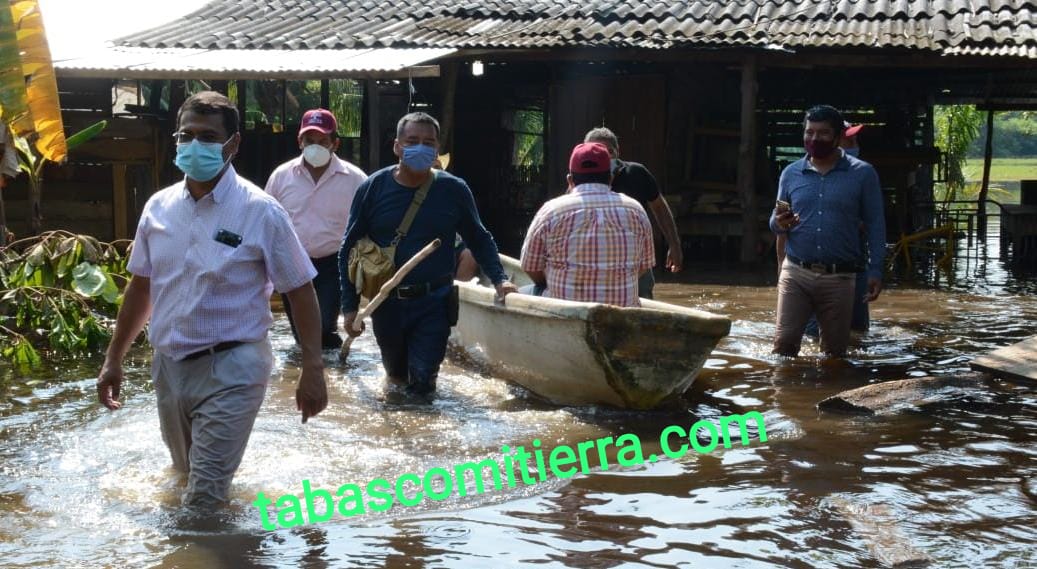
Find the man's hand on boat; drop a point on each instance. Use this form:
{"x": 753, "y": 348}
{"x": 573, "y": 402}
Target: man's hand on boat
{"x": 505, "y": 288}
{"x": 348, "y": 318}
{"x": 109, "y": 381}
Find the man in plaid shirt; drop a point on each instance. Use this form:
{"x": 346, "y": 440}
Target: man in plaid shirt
{"x": 591, "y": 244}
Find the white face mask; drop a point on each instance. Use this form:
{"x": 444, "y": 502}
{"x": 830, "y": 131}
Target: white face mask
{"x": 317, "y": 155}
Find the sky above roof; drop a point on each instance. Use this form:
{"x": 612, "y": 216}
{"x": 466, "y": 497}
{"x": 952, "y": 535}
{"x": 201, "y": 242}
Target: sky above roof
{"x": 75, "y": 26}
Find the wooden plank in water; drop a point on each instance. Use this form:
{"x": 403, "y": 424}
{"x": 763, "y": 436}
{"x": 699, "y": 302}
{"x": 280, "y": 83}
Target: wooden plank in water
{"x": 891, "y": 397}
{"x": 1018, "y": 361}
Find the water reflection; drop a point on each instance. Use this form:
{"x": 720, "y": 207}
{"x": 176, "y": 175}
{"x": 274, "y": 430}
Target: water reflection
{"x": 82, "y": 487}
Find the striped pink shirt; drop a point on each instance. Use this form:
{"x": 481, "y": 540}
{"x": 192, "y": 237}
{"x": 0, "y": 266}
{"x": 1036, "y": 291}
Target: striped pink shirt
{"x": 319, "y": 210}
{"x": 204, "y": 292}
{"x": 592, "y": 244}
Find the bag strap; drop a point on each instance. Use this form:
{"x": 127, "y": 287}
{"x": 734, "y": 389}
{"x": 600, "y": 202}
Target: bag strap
{"x": 412, "y": 211}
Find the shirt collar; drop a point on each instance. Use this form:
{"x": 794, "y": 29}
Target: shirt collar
{"x": 334, "y": 166}
{"x": 219, "y": 193}
{"x": 592, "y": 188}
{"x": 842, "y": 164}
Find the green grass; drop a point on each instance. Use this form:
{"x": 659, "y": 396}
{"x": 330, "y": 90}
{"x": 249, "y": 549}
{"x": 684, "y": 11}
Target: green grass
{"x": 1003, "y": 169}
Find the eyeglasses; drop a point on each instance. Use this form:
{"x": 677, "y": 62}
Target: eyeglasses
{"x": 187, "y": 137}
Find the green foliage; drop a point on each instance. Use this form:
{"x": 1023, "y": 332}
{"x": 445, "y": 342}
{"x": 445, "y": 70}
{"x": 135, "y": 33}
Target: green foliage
{"x": 1015, "y": 135}
{"x": 59, "y": 296}
{"x": 956, "y": 127}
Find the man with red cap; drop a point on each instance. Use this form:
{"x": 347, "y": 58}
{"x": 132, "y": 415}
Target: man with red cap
{"x": 317, "y": 190}
{"x": 592, "y": 244}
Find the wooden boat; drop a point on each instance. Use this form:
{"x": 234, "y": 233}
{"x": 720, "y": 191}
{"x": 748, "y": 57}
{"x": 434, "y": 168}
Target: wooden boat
{"x": 576, "y": 353}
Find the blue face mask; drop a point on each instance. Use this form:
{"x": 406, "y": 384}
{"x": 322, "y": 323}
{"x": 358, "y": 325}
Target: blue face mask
{"x": 855, "y": 152}
{"x": 419, "y": 157}
{"x": 200, "y": 161}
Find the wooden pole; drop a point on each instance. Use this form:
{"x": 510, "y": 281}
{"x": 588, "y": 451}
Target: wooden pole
{"x": 325, "y": 94}
{"x": 746, "y": 180}
{"x": 446, "y": 134}
{"x": 374, "y": 128}
{"x": 383, "y": 293}
{"x": 988, "y": 155}
{"x": 119, "y": 201}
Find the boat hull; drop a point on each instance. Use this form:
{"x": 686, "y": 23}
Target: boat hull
{"x": 577, "y": 353}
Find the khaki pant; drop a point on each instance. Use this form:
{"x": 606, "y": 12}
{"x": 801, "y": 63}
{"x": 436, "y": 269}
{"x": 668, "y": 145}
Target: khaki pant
{"x": 206, "y": 409}
{"x": 802, "y": 292}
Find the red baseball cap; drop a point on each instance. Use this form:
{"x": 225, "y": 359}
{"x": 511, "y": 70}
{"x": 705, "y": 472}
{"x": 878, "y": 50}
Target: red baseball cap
{"x": 852, "y": 130}
{"x": 318, "y": 119}
{"x": 590, "y": 158}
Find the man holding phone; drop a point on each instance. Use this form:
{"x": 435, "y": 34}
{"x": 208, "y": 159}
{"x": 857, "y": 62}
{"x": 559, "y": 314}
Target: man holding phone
{"x": 823, "y": 201}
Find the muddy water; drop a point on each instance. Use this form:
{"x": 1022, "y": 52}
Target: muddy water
{"x": 956, "y": 482}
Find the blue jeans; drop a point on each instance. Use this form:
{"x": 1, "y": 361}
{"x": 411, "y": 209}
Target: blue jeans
{"x": 326, "y": 285}
{"x": 412, "y": 335}
{"x": 860, "y": 321}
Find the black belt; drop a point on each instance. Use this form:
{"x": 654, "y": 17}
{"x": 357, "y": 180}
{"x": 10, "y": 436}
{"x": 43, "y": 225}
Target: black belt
{"x": 420, "y": 289}
{"x": 221, "y": 347}
{"x": 827, "y": 268}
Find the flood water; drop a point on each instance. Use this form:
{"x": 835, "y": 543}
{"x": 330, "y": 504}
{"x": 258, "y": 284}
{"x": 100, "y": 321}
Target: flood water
{"x": 956, "y": 481}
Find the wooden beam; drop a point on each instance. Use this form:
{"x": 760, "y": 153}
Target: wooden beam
{"x": 746, "y": 180}
{"x": 988, "y": 155}
{"x": 447, "y": 124}
{"x": 293, "y": 75}
{"x": 325, "y": 93}
{"x": 119, "y": 208}
{"x": 374, "y": 138}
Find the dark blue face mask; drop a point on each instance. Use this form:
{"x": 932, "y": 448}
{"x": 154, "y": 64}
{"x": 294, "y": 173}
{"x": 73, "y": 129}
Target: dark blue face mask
{"x": 419, "y": 157}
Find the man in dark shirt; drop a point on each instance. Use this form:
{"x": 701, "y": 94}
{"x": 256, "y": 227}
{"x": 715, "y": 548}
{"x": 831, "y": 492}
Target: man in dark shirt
{"x": 636, "y": 181}
{"x": 412, "y": 326}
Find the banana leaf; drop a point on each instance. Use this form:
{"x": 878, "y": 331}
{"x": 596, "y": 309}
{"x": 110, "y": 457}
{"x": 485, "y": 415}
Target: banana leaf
{"x": 86, "y": 134}
{"x": 41, "y": 85}
{"x": 14, "y": 109}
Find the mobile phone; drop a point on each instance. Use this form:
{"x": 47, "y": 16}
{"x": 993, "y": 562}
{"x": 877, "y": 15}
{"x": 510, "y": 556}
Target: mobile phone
{"x": 781, "y": 206}
{"x": 228, "y": 238}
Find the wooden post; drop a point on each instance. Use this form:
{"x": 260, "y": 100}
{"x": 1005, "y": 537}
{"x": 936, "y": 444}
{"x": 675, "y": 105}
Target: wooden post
{"x": 374, "y": 137}
{"x": 119, "y": 200}
{"x": 988, "y": 155}
{"x": 325, "y": 93}
{"x": 746, "y": 180}
{"x": 446, "y": 130}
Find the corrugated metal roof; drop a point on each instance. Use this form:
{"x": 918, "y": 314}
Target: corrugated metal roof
{"x": 194, "y": 63}
{"x": 978, "y": 27}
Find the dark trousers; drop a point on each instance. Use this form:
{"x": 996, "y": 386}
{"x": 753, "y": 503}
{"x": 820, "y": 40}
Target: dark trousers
{"x": 412, "y": 335}
{"x": 646, "y": 284}
{"x": 326, "y": 284}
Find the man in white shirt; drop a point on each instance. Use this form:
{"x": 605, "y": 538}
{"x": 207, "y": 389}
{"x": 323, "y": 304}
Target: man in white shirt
{"x": 208, "y": 252}
{"x": 317, "y": 190}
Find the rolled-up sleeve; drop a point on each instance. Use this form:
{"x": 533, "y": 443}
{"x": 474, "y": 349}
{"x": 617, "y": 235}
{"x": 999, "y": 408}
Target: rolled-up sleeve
{"x": 287, "y": 265}
{"x": 139, "y": 262}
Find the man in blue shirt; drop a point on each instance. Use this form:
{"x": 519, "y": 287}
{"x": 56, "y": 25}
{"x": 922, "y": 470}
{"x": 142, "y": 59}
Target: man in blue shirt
{"x": 830, "y": 196}
{"x": 413, "y": 325}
